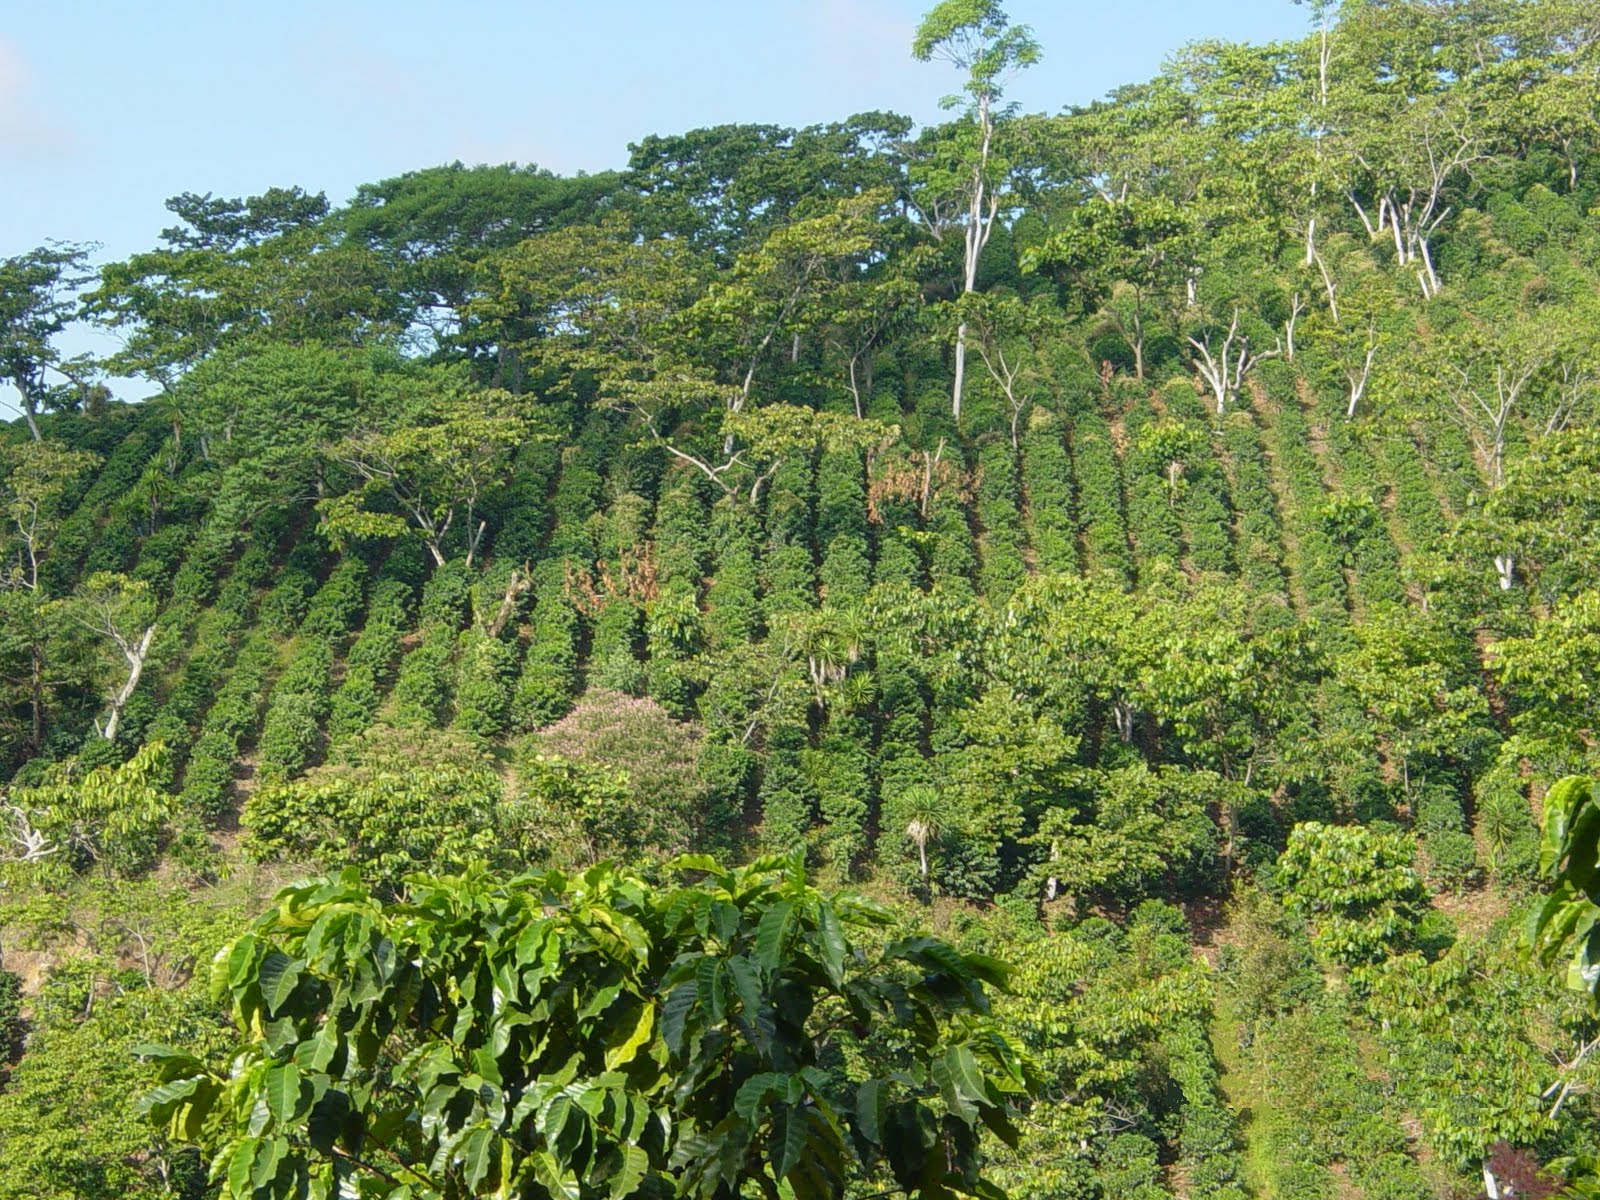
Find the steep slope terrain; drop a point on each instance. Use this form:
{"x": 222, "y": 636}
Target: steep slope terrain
{"x": 1209, "y": 663}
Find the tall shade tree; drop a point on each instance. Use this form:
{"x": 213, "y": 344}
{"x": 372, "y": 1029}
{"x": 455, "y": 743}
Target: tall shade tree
{"x": 121, "y": 612}
{"x": 976, "y": 36}
{"x": 37, "y": 474}
{"x": 1405, "y": 138}
{"x": 37, "y": 302}
{"x": 239, "y": 273}
{"x": 1012, "y": 338}
{"x": 1131, "y": 252}
{"x": 436, "y": 463}
{"x": 432, "y": 228}
{"x": 779, "y": 293}
{"x": 723, "y": 190}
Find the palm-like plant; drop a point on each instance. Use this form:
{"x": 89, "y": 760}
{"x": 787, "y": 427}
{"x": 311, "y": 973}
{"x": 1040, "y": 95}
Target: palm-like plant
{"x": 927, "y": 817}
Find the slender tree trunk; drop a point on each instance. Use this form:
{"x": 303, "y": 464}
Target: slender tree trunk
{"x": 1332, "y": 289}
{"x": 1138, "y": 343}
{"x": 36, "y": 697}
{"x": 135, "y": 657}
{"x": 977, "y": 234}
{"x": 1505, "y": 569}
{"x": 1316, "y": 145}
{"x": 1358, "y": 380}
{"x": 961, "y": 369}
{"x": 29, "y": 411}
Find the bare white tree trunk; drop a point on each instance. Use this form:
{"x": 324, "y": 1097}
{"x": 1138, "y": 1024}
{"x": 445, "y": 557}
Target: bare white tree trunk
{"x": 855, "y": 388}
{"x": 1297, "y": 305}
{"x": 982, "y": 211}
{"x": 1358, "y": 379}
{"x": 1488, "y": 414}
{"x": 1007, "y": 374}
{"x": 30, "y": 404}
{"x": 1122, "y": 717}
{"x": 1324, "y": 54}
{"x": 1505, "y": 569}
{"x": 31, "y": 844}
{"x": 1331, "y": 288}
{"x": 1411, "y": 221}
{"x": 1225, "y": 371}
{"x": 135, "y": 654}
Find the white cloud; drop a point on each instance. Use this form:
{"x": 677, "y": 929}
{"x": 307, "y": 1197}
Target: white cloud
{"x": 28, "y": 130}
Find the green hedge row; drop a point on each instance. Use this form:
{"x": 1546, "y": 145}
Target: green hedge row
{"x": 1205, "y": 506}
{"x": 1317, "y": 560}
{"x": 1208, "y": 1132}
{"x": 484, "y": 693}
{"x": 1327, "y": 1109}
{"x": 617, "y": 638}
{"x": 547, "y": 681}
{"x": 1003, "y": 567}
{"x": 549, "y": 677}
{"x": 681, "y": 542}
{"x": 1151, "y": 496}
{"x": 370, "y": 663}
{"x": 788, "y": 568}
{"x": 1445, "y": 445}
{"x": 787, "y": 796}
{"x": 846, "y": 568}
{"x": 953, "y": 557}
{"x": 80, "y": 532}
{"x": 733, "y": 603}
{"x": 524, "y": 510}
{"x": 422, "y": 689}
{"x": 214, "y": 639}
{"x": 1373, "y": 555}
{"x": 1260, "y": 538}
{"x": 1047, "y": 486}
{"x": 179, "y": 633}
{"x": 899, "y": 559}
{"x": 1099, "y": 476}
{"x": 615, "y": 647}
{"x": 680, "y": 551}
{"x": 840, "y": 773}
{"x": 301, "y": 699}
{"x": 233, "y": 719}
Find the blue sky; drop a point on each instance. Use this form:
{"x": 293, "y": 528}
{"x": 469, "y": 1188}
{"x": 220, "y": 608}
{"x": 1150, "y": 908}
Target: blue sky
{"x": 108, "y": 107}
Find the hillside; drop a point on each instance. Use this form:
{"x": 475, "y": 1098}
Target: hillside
{"x": 1177, "y": 579}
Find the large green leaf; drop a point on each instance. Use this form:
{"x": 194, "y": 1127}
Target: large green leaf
{"x": 786, "y": 1145}
{"x": 536, "y": 1019}
{"x": 675, "y": 1015}
{"x": 282, "y": 1089}
{"x": 831, "y": 943}
{"x": 872, "y": 1104}
{"x": 628, "y": 1034}
{"x": 279, "y": 976}
{"x": 561, "y": 1183}
{"x": 479, "y": 1155}
{"x": 753, "y": 1093}
{"x": 746, "y": 984}
{"x": 956, "y": 1072}
{"x": 241, "y": 1166}
{"x": 772, "y": 935}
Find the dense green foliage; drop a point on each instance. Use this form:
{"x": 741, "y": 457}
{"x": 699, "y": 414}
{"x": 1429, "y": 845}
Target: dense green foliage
{"x": 1154, "y": 544}
{"x": 593, "y": 1036}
